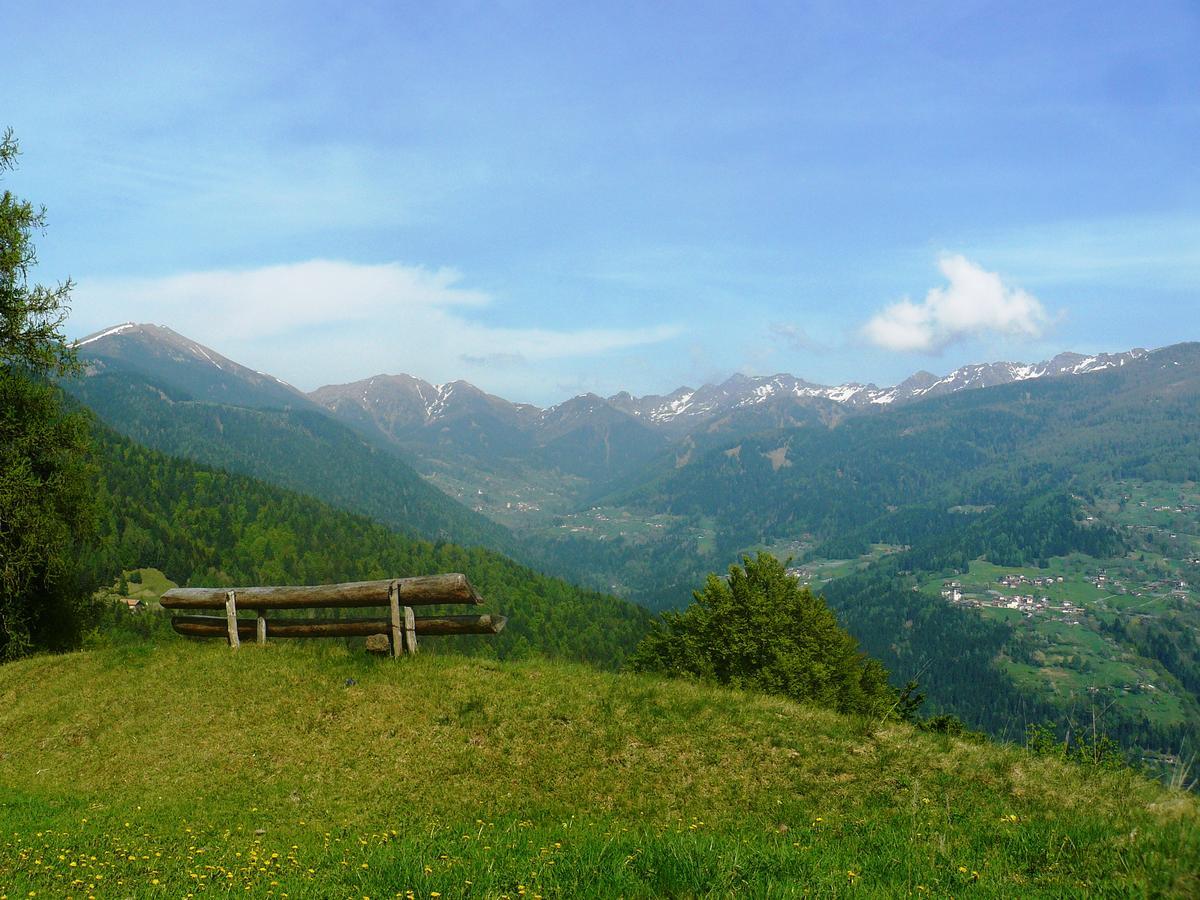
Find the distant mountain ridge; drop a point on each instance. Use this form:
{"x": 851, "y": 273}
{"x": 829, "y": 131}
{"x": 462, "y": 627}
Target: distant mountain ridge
{"x": 400, "y": 404}
{"x": 458, "y": 429}
{"x": 405, "y": 401}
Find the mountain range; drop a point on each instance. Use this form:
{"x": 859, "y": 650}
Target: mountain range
{"x": 590, "y": 441}
{"x": 400, "y": 405}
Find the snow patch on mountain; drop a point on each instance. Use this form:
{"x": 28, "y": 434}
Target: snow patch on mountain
{"x": 199, "y": 351}
{"x": 103, "y": 334}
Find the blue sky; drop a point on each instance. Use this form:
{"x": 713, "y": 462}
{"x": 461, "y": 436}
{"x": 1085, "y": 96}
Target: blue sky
{"x": 551, "y": 198}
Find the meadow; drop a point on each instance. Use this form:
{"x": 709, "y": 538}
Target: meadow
{"x": 166, "y": 768}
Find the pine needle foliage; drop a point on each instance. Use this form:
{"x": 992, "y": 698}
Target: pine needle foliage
{"x": 46, "y": 505}
{"x": 761, "y": 630}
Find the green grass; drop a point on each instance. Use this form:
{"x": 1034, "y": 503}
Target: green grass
{"x": 152, "y": 586}
{"x": 184, "y": 769}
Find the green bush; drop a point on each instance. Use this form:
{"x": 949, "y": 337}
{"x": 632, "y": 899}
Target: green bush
{"x": 761, "y": 630}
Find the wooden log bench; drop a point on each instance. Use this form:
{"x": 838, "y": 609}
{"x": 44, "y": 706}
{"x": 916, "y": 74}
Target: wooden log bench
{"x": 399, "y": 595}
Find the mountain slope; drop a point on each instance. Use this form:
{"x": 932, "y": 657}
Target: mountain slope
{"x": 165, "y": 356}
{"x": 159, "y": 388}
{"x": 401, "y": 405}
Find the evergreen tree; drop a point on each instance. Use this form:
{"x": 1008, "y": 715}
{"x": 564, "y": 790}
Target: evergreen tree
{"x": 762, "y": 630}
{"x": 46, "y": 499}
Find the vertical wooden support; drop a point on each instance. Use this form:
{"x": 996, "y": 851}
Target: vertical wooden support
{"x": 397, "y": 634}
{"x": 410, "y": 631}
{"x": 231, "y": 619}
{"x": 262, "y": 628}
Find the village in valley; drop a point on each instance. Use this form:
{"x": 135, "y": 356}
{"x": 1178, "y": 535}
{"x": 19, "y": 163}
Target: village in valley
{"x": 1030, "y": 604}
{"x": 1070, "y": 617}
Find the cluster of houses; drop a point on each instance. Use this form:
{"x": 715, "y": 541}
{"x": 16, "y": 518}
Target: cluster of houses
{"x": 1181, "y": 508}
{"x": 1016, "y": 580}
{"x": 1026, "y": 603}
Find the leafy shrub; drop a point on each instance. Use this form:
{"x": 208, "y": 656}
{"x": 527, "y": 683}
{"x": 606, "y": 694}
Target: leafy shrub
{"x": 761, "y": 630}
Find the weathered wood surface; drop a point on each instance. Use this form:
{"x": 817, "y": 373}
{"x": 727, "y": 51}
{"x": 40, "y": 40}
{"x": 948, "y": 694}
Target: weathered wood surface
{"x": 423, "y": 590}
{"x": 231, "y": 627}
{"x": 397, "y": 636}
{"x": 410, "y": 631}
{"x": 217, "y": 626}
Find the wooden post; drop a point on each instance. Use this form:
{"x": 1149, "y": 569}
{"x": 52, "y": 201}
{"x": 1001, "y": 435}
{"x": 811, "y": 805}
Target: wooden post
{"x": 397, "y": 637}
{"x": 261, "y": 629}
{"x": 410, "y": 631}
{"x": 231, "y": 619}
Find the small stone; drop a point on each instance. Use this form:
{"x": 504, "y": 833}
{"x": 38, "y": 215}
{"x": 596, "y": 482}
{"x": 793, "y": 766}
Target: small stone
{"x": 378, "y": 643}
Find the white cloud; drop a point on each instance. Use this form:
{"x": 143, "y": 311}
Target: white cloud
{"x": 974, "y": 303}
{"x": 275, "y": 300}
{"x": 324, "y": 321}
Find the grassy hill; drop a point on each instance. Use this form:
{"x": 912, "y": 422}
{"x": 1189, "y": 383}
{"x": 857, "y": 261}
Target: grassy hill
{"x": 181, "y": 769}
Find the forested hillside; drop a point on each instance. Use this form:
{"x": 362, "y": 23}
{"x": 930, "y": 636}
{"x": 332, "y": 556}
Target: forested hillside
{"x": 300, "y": 448}
{"x": 203, "y": 526}
{"x": 977, "y": 448}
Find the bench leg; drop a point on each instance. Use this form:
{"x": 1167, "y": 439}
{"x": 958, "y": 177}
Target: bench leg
{"x": 396, "y": 633}
{"x": 231, "y": 619}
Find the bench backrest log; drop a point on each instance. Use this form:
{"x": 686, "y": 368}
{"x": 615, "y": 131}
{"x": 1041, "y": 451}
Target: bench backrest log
{"x": 400, "y": 595}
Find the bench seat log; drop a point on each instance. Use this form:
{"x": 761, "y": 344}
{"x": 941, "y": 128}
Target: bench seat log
{"x": 423, "y": 590}
{"x": 217, "y": 626}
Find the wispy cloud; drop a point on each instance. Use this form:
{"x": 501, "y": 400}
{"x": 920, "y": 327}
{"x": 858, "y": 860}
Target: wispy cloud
{"x": 974, "y": 303}
{"x": 336, "y": 320}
